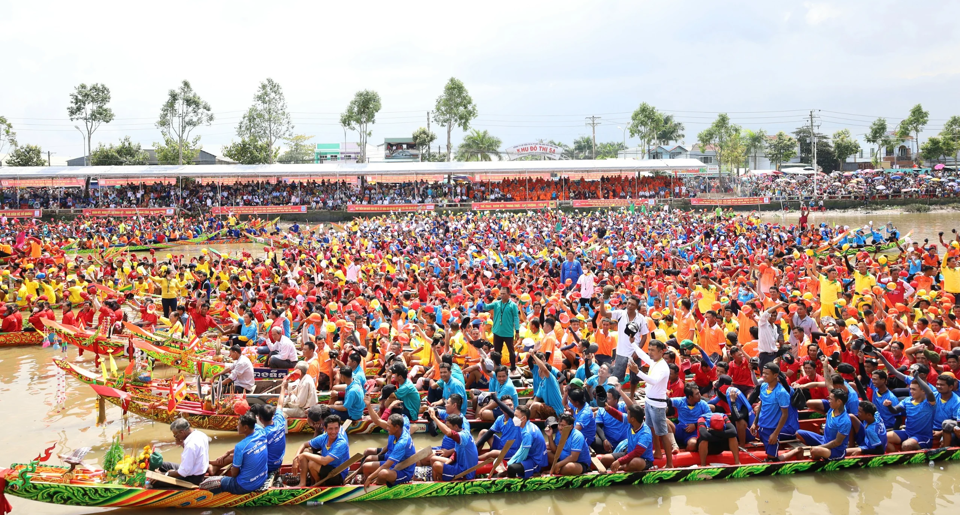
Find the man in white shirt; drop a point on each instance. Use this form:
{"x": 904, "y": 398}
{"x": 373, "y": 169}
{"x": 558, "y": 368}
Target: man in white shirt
{"x": 195, "y": 456}
{"x": 240, "y": 372}
{"x": 353, "y": 271}
{"x": 283, "y": 353}
{"x": 587, "y": 283}
{"x": 655, "y": 407}
{"x": 624, "y": 346}
{"x": 304, "y": 394}
{"x": 767, "y": 341}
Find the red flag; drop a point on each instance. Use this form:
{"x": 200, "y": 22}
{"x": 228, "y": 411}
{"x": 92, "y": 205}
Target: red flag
{"x": 106, "y": 391}
{"x": 172, "y": 401}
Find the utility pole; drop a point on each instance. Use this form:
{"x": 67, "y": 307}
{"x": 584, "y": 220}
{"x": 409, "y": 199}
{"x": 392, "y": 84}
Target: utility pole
{"x": 48, "y": 158}
{"x": 813, "y": 143}
{"x": 594, "y": 121}
{"x": 428, "y": 121}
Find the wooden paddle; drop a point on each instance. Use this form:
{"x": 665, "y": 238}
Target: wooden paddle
{"x": 596, "y": 463}
{"x": 471, "y": 469}
{"x": 162, "y": 478}
{"x": 344, "y": 466}
{"x": 503, "y": 453}
{"x": 563, "y": 441}
{"x": 421, "y": 454}
{"x": 353, "y": 474}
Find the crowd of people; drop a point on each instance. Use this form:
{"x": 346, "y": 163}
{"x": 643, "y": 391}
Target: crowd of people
{"x": 336, "y": 195}
{"x": 646, "y": 337}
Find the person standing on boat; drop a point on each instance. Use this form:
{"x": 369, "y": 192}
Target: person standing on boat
{"x": 248, "y": 471}
{"x": 506, "y": 323}
{"x": 624, "y": 317}
{"x": 775, "y": 412}
{"x": 465, "y": 449}
{"x": 195, "y": 455}
{"x": 655, "y": 408}
{"x": 239, "y": 373}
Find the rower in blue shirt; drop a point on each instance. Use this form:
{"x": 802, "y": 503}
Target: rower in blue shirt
{"x": 582, "y": 414}
{"x": 531, "y": 455}
{"x": 612, "y": 425}
{"x": 832, "y": 445}
{"x": 920, "y": 408}
{"x": 499, "y": 387}
{"x": 872, "y": 436}
{"x": 352, "y": 407}
{"x": 776, "y": 420}
{"x": 399, "y": 448}
{"x": 274, "y": 432}
{"x": 635, "y": 454}
{"x": 330, "y": 450}
{"x": 502, "y": 431}
{"x": 574, "y": 457}
{"x": 550, "y": 389}
{"x": 248, "y": 471}
{"x": 689, "y": 409}
{"x": 465, "y": 454}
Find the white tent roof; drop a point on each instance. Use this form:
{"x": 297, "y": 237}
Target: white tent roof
{"x": 352, "y": 169}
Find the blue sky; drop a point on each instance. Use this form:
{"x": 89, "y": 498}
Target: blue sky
{"x": 534, "y": 69}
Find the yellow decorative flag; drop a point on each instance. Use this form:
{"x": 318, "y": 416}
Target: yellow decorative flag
{"x": 103, "y": 369}
{"x": 113, "y": 365}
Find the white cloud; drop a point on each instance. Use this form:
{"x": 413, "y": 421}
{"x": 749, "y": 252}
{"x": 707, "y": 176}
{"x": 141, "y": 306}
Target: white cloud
{"x": 819, "y": 12}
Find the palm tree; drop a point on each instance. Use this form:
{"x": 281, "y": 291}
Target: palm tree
{"x": 582, "y": 147}
{"x": 669, "y": 130}
{"x": 756, "y": 143}
{"x": 479, "y": 146}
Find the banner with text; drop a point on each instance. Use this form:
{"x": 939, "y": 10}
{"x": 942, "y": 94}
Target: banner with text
{"x": 42, "y": 183}
{"x": 734, "y": 201}
{"x": 494, "y": 206}
{"x": 21, "y": 213}
{"x": 257, "y": 210}
{"x": 387, "y": 208}
{"x": 145, "y": 180}
{"x": 614, "y": 202}
{"x": 127, "y": 212}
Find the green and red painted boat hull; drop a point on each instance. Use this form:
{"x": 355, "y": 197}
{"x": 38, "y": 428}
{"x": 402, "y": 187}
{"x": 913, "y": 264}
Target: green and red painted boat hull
{"x": 34, "y": 482}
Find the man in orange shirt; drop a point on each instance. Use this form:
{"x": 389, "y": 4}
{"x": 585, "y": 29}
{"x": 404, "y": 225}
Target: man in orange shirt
{"x": 712, "y": 336}
{"x": 605, "y": 342}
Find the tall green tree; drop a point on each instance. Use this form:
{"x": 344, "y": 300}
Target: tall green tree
{"x": 566, "y": 152}
{"x": 844, "y": 146}
{"x": 267, "y": 120}
{"x": 935, "y": 148}
{"x": 479, "y": 146}
{"x": 583, "y": 148}
{"x": 610, "y": 149}
{"x": 26, "y": 155}
{"x": 172, "y": 152}
{"x": 826, "y": 157}
{"x": 670, "y": 130}
{"x": 723, "y": 136}
{"x": 360, "y": 114}
{"x": 645, "y": 124}
{"x": 249, "y": 151}
{"x": 7, "y": 135}
{"x": 951, "y": 137}
{"x": 423, "y": 138}
{"x": 126, "y": 153}
{"x": 89, "y": 104}
{"x": 299, "y": 150}
{"x": 756, "y": 142}
{"x": 913, "y": 124}
{"x": 879, "y": 135}
{"x": 183, "y": 112}
{"x": 455, "y": 108}
{"x": 781, "y": 149}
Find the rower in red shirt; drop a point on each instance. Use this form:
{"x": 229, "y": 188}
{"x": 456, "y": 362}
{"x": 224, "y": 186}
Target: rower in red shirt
{"x": 202, "y": 321}
{"x": 12, "y": 321}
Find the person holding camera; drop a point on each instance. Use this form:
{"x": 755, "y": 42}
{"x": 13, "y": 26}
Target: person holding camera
{"x": 624, "y": 317}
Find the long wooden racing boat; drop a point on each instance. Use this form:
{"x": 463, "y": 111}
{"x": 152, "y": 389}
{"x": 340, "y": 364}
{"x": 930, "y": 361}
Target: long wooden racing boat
{"x": 21, "y": 338}
{"x": 83, "y": 487}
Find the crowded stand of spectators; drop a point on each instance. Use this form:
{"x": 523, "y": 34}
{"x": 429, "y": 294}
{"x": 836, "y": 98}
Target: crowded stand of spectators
{"x": 193, "y": 195}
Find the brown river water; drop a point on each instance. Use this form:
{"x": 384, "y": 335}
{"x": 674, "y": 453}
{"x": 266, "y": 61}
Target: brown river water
{"x": 28, "y": 388}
